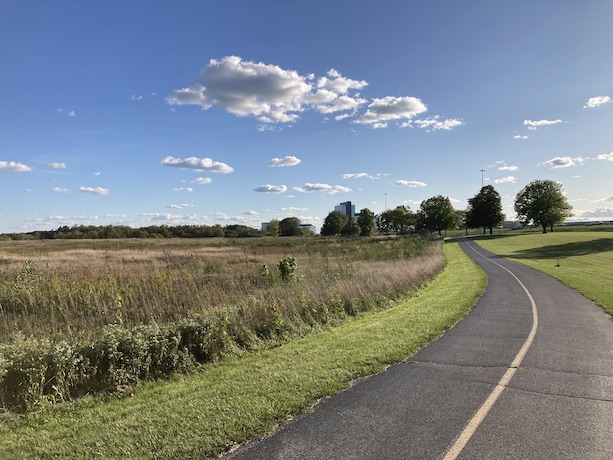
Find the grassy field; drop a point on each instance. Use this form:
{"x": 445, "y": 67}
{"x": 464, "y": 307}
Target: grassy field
{"x": 208, "y": 412}
{"x": 581, "y": 260}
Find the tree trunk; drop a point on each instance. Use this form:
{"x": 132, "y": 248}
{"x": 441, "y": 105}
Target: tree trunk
{"x": 544, "y": 228}
{"x": 491, "y": 231}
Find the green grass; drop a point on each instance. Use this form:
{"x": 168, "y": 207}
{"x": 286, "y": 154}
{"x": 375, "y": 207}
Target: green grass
{"x": 581, "y": 260}
{"x": 208, "y": 412}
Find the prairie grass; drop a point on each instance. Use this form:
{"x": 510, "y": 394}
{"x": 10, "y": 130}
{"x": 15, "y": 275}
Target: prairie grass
{"x": 72, "y": 289}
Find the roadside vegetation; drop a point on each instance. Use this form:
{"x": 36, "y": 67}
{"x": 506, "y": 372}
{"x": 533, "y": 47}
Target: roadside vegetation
{"x": 582, "y": 260}
{"x": 86, "y": 316}
{"x": 202, "y": 414}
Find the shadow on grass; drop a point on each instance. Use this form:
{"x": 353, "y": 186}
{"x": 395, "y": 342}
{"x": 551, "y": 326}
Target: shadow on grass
{"x": 580, "y": 248}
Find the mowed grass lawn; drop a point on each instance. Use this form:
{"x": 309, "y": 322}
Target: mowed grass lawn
{"x": 581, "y": 260}
{"x": 207, "y": 412}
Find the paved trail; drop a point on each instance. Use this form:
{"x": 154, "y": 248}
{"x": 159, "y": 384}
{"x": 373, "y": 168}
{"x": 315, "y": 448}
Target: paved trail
{"x": 528, "y": 374}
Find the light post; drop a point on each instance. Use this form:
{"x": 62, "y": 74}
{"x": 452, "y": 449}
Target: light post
{"x": 482, "y": 171}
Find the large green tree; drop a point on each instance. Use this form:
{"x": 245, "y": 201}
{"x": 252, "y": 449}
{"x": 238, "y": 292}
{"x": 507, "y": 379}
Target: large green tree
{"x": 290, "y": 226}
{"x": 334, "y": 223}
{"x": 398, "y": 220}
{"x": 485, "y": 209}
{"x": 542, "y": 203}
{"x": 437, "y": 214}
{"x": 366, "y": 222}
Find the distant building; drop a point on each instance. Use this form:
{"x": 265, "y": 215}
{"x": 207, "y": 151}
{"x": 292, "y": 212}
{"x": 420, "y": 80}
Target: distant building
{"x": 346, "y": 208}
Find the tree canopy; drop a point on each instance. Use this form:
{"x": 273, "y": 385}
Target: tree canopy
{"x": 485, "y": 209}
{"x": 290, "y": 226}
{"x": 334, "y": 223}
{"x": 366, "y": 222}
{"x": 543, "y": 203}
{"x": 398, "y": 220}
{"x": 437, "y": 214}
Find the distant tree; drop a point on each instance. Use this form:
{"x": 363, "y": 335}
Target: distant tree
{"x": 334, "y": 223}
{"x": 273, "y": 228}
{"x": 462, "y": 217}
{"x": 437, "y": 214}
{"x": 542, "y": 203}
{"x": 485, "y": 209}
{"x": 290, "y": 226}
{"x": 398, "y": 220}
{"x": 351, "y": 228}
{"x": 366, "y": 222}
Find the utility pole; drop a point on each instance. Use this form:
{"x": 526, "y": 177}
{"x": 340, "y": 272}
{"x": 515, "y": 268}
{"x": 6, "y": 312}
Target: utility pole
{"x": 482, "y": 171}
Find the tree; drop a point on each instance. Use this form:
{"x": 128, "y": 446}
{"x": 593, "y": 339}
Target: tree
{"x": 485, "y": 209}
{"x": 334, "y": 223}
{"x": 542, "y": 203}
{"x": 366, "y": 222}
{"x": 437, "y": 214}
{"x": 398, "y": 220}
{"x": 351, "y": 228}
{"x": 290, "y": 226}
{"x": 273, "y": 228}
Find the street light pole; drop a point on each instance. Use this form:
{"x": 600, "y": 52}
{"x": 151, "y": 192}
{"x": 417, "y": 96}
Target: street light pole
{"x": 482, "y": 171}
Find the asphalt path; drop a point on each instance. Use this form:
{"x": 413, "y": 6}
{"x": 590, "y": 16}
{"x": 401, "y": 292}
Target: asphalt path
{"x": 528, "y": 374}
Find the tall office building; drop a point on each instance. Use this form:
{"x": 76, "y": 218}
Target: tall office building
{"x": 346, "y": 208}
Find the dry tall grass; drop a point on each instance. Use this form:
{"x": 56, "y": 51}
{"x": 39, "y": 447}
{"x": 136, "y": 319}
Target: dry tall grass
{"x": 72, "y": 289}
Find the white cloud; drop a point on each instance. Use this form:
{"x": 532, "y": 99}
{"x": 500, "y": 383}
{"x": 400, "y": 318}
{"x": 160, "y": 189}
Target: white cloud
{"x": 596, "y": 101}
{"x": 271, "y": 188}
{"x": 531, "y": 124}
{"x": 605, "y": 199}
{"x": 251, "y": 212}
{"x": 94, "y": 190}
{"x": 202, "y": 180}
{"x": 97, "y": 173}
{"x": 595, "y": 214}
{"x": 163, "y": 216}
{"x": 60, "y": 190}
{"x": 392, "y": 108}
{"x": 604, "y": 156}
{"x": 508, "y": 168}
{"x": 506, "y": 180}
{"x": 197, "y": 164}
{"x": 183, "y": 189}
{"x": 520, "y": 137}
{"x": 564, "y": 162}
{"x": 180, "y": 206}
{"x": 410, "y": 183}
{"x": 357, "y": 176}
{"x": 293, "y": 209}
{"x": 134, "y": 97}
{"x": 267, "y": 92}
{"x": 14, "y": 167}
{"x": 289, "y": 160}
{"x": 435, "y": 123}
{"x": 325, "y": 188}
{"x": 57, "y": 165}
{"x": 72, "y": 113}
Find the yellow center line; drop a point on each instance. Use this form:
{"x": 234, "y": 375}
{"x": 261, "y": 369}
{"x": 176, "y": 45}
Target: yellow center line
{"x": 486, "y": 407}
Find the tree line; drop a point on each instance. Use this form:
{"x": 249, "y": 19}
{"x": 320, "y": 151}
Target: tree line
{"x": 541, "y": 203}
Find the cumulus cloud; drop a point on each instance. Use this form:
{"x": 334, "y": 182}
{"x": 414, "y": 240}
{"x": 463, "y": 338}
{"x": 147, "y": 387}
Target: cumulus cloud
{"x": 435, "y": 123}
{"x": 508, "y": 168}
{"x": 564, "y": 162}
{"x": 604, "y": 156}
{"x": 293, "y": 209}
{"x": 94, "y": 190}
{"x": 506, "y": 180}
{"x": 267, "y": 92}
{"x": 60, "y": 190}
{"x": 271, "y": 188}
{"x": 410, "y": 183}
{"x": 391, "y": 108}
{"x": 532, "y": 124}
{"x": 183, "y": 189}
{"x": 595, "y": 214}
{"x": 202, "y": 180}
{"x": 250, "y": 212}
{"x": 324, "y": 188}
{"x": 596, "y": 101}
{"x": 357, "y": 176}
{"x": 197, "y": 164}
{"x": 134, "y": 97}
{"x": 57, "y": 165}
{"x": 14, "y": 167}
{"x": 162, "y": 216}
{"x": 518, "y": 136}
{"x": 289, "y": 160}
{"x": 180, "y": 206}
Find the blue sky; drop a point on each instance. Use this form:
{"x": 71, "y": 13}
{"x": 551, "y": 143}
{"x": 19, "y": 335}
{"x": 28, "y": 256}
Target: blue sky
{"x": 220, "y": 112}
